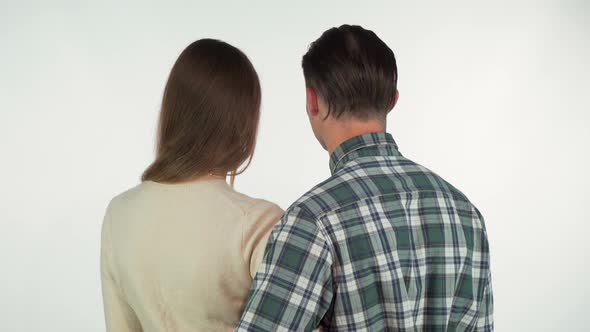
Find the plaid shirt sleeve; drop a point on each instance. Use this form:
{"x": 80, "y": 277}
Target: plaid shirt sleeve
{"x": 292, "y": 290}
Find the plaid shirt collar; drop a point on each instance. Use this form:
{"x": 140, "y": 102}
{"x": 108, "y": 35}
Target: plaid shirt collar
{"x": 366, "y": 145}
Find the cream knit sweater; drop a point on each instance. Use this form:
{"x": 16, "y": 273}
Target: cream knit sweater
{"x": 181, "y": 257}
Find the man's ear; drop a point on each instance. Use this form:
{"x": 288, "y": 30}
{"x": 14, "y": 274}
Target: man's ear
{"x": 312, "y": 102}
{"x": 394, "y": 100}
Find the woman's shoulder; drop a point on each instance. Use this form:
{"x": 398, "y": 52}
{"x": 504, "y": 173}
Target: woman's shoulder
{"x": 261, "y": 216}
{"x": 151, "y": 195}
{"x": 127, "y": 198}
{"x": 252, "y": 205}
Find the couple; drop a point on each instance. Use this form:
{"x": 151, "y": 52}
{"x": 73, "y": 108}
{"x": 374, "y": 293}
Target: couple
{"x": 383, "y": 244}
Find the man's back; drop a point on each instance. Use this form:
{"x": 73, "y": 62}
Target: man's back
{"x": 383, "y": 244}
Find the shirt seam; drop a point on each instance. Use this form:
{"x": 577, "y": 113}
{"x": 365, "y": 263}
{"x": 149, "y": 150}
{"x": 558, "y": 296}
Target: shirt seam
{"x": 320, "y": 225}
{"x": 323, "y": 214}
{"x": 245, "y": 214}
{"x": 111, "y": 261}
{"x": 326, "y": 239}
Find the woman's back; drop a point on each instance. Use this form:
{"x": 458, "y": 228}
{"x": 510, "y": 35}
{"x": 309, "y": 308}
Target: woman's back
{"x": 184, "y": 255}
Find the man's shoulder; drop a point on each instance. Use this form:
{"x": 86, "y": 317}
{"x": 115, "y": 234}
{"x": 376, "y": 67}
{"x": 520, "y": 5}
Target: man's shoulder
{"x": 426, "y": 184}
{"x": 375, "y": 178}
{"x": 321, "y": 198}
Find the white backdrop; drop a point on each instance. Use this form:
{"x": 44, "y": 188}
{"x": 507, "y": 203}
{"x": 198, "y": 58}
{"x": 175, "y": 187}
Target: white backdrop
{"x": 494, "y": 97}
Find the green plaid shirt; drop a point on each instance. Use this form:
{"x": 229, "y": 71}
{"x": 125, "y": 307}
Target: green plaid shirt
{"x": 384, "y": 244}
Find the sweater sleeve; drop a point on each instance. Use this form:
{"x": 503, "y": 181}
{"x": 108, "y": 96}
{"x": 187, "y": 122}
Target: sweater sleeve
{"x": 119, "y": 316}
{"x": 260, "y": 220}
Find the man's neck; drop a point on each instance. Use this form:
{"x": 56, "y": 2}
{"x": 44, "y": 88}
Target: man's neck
{"x": 345, "y": 131}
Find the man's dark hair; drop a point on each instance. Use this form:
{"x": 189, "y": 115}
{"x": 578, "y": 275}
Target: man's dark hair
{"x": 353, "y": 70}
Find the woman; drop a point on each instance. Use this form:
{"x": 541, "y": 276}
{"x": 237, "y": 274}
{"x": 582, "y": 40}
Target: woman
{"x": 179, "y": 251}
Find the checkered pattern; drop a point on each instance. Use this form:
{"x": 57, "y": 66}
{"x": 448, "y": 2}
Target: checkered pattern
{"x": 383, "y": 245}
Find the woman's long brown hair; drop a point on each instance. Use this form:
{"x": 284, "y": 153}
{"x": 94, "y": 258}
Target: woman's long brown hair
{"x": 209, "y": 115}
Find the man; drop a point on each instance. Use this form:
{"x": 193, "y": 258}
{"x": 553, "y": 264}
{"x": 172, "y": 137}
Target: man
{"x": 383, "y": 244}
